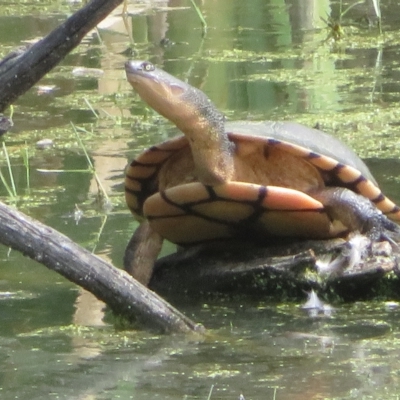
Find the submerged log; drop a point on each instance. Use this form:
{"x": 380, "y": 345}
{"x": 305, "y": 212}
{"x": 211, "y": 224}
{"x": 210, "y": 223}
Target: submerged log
{"x": 123, "y": 294}
{"x": 280, "y": 271}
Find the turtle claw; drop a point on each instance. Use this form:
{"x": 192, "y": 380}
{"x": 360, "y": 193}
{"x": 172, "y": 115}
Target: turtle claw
{"x": 358, "y": 214}
{"x": 389, "y": 232}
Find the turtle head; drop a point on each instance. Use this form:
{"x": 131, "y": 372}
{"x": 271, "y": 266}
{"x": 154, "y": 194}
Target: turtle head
{"x": 192, "y": 112}
{"x": 160, "y": 90}
{"x": 174, "y": 99}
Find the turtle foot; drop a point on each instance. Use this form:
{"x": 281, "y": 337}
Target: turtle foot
{"x": 358, "y": 213}
{"x": 142, "y": 252}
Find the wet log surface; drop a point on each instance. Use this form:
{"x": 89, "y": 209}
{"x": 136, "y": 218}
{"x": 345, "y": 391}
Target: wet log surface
{"x": 282, "y": 271}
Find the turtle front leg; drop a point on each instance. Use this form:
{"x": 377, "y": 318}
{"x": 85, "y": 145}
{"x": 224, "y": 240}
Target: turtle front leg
{"x": 357, "y": 213}
{"x": 142, "y": 252}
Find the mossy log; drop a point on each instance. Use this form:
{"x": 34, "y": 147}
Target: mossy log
{"x": 280, "y": 271}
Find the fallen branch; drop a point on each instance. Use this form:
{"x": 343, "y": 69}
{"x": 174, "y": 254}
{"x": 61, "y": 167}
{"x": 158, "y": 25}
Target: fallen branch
{"x": 21, "y": 69}
{"x": 124, "y": 295}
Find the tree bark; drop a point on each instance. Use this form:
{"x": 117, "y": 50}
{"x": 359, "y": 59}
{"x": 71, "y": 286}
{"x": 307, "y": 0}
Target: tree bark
{"x": 20, "y": 70}
{"x": 282, "y": 271}
{"x": 123, "y": 294}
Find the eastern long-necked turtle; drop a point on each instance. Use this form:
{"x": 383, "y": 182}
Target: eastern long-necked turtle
{"x": 252, "y": 180}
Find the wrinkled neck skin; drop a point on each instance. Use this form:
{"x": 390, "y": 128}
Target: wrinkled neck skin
{"x": 204, "y": 126}
{"x": 194, "y": 114}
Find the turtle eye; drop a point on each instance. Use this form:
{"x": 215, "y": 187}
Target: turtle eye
{"x": 148, "y": 67}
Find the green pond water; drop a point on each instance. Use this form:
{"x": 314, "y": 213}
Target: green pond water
{"x": 259, "y": 60}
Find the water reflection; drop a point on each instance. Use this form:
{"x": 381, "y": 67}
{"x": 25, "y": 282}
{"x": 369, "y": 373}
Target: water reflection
{"x": 259, "y": 60}
{"x": 256, "y": 350}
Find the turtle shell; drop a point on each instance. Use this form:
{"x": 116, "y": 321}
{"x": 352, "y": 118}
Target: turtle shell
{"x": 279, "y": 166}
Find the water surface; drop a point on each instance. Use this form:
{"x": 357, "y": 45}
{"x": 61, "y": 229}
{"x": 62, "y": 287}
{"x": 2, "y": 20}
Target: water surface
{"x": 259, "y": 60}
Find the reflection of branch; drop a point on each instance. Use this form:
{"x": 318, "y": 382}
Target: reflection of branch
{"x": 124, "y": 295}
{"x": 20, "y": 70}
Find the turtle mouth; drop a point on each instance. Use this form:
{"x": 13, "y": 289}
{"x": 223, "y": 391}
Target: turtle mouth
{"x": 137, "y": 70}
{"x": 139, "y": 66}
{"x": 155, "y": 86}
{"x": 142, "y": 72}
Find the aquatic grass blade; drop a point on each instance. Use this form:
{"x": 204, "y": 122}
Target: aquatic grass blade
{"x": 377, "y": 8}
{"x": 210, "y": 392}
{"x": 6, "y": 185}
{"x": 91, "y": 166}
{"x": 89, "y": 161}
{"x": 25, "y": 158}
{"x": 14, "y": 191}
{"x": 91, "y": 108}
{"x": 201, "y": 17}
{"x": 99, "y": 233}
{"x": 86, "y": 171}
{"x": 342, "y": 14}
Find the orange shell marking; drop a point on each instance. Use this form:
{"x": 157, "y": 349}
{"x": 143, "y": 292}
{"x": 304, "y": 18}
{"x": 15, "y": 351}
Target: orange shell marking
{"x": 143, "y": 171}
{"x": 348, "y": 176}
{"x": 194, "y": 213}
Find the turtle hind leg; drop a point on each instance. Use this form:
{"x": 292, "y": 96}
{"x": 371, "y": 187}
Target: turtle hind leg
{"x": 142, "y": 252}
{"x": 357, "y": 213}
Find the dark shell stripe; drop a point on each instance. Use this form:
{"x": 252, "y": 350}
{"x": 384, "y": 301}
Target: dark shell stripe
{"x": 250, "y": 216}
{"x": 189, "y": 207}
{"x": 138, "y": 182}
{"x": 142, "y": 173}
{"x": 347, "y": 177}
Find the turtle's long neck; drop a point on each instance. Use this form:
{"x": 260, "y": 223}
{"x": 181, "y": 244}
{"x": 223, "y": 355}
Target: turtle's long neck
{"x": 193, "y": 113}
{"x": 204, "y": 126}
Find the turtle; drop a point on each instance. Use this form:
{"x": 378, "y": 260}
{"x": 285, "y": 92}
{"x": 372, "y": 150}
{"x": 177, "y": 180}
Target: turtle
{"x": 252, "y": 181}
